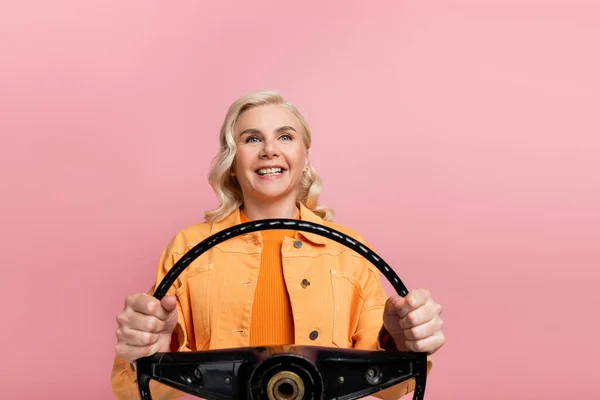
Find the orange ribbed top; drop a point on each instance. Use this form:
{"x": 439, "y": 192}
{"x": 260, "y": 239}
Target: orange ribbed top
{"x": 272, "y": 320}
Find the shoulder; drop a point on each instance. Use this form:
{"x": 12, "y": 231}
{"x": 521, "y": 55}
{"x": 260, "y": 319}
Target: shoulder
{"x": 308, "y": 215}
{"x": 193, "y": 234}
{"x": 188, "y": 237}
{"x": 345, "y": 230}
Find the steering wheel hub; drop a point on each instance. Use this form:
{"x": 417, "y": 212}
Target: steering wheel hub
{"x": 285, "y": 385}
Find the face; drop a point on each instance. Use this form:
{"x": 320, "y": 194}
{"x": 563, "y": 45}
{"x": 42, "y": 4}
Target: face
{"x": 270, "y": 156}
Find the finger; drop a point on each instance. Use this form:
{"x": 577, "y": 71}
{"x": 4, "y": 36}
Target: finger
{"x": 169, "y": 303}
{"x": 413, "y": 300}
{"x": 140, "y": 322}
{"x": 132, "y": 353}
{"x": 428, "y": 345}
{"x": 149, "y": 305}
{"x": 140, "y": 303}
{"x": 133, "y": 337}
{"x": 419, "y": 316}
{"x": 423, "y": 331}
{"x": 393, "y": 304}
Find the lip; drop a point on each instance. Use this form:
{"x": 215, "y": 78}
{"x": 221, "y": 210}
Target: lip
{"x": 273, "y": 177}
{"x": 271, "y": 166}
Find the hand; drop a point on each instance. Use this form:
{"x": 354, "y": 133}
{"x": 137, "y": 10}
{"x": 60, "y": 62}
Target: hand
{"x": 414, "y": 322}
{"x": 145, "y": 326}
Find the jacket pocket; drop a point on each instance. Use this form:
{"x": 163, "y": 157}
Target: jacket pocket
{"x": 194, "y": 297}
{"x": 341, "y": 290}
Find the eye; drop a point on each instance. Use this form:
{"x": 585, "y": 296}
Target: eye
{"x": 286, "y": 137}
{"x": 252, "y": 139}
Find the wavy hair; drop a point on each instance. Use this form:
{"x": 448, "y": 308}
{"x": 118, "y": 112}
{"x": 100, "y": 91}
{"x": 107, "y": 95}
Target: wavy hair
{"x": 227, "y": 188}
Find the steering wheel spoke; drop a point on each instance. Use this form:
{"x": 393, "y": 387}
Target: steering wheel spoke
{"x": 354, "y": 374}
{"x": 211, "y": 375}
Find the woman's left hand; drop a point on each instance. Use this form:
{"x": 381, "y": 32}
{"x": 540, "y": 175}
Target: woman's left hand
{"x": 414, "y": 322}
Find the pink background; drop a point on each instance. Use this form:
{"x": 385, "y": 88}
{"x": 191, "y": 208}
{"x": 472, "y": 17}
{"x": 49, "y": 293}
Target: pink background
{"x": 468, "y": 149}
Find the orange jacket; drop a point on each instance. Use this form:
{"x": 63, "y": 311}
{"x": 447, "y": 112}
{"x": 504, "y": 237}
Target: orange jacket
{"x": 341, "y": 307}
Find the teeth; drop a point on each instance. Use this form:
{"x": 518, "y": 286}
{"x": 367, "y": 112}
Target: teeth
{"x": 266, "y": 171}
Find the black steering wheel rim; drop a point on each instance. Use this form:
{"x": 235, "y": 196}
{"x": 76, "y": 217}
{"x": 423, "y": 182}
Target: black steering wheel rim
{"x": 420, "y": 359}
{"x": 278, "y": 223}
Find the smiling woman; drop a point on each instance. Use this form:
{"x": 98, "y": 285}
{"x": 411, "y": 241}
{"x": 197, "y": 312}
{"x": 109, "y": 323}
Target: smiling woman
{"x": 275, "y": 287}
{"x": 271, "y": 159}
{"x": 263, "y": 130}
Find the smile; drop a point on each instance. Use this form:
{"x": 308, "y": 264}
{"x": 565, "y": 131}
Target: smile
{"x": 269, "y": 171}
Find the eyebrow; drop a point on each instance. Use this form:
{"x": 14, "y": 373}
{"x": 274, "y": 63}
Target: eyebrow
{"x": 257, "y": 131}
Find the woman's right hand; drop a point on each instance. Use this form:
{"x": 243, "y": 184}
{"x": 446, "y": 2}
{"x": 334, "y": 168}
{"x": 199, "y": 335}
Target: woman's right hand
{"x": 145, "y": 326}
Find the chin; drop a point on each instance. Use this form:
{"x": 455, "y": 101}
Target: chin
{"x": 270, "y": 191}
{"x": 271, "y": 195}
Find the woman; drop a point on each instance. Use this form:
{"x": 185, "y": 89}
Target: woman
{"x": 271, "y": 287}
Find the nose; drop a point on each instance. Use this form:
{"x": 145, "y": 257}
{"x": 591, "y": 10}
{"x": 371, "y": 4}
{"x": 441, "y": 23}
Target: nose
{"x": 269, "y": 149}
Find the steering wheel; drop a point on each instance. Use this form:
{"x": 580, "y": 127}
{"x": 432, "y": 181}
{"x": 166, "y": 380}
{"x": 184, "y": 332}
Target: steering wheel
{"x": 281, "y": 372}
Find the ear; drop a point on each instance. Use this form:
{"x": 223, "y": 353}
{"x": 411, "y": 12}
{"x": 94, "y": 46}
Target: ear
{"x": 232, "y": 168}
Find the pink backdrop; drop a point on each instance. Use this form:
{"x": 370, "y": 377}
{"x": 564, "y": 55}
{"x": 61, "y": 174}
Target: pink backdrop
{"x": 468, "y": 149}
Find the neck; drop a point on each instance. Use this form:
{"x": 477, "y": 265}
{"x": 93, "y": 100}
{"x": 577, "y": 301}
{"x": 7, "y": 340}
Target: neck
{"x": 279, "y": 209}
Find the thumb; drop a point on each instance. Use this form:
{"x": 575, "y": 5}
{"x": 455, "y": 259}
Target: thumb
{"x": 394, "y": 304}
{"x": 169, "y": 303}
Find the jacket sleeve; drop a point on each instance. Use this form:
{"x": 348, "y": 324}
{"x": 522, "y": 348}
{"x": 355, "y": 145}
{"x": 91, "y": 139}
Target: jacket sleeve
{"x": 370, "y": 329}
{"x": 124, "y": 375}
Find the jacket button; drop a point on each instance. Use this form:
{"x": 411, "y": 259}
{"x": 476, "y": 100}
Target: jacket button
{"x": 305, "y": 283}
{"x": 297, "y": 244}
{"x": 313, "y": 335}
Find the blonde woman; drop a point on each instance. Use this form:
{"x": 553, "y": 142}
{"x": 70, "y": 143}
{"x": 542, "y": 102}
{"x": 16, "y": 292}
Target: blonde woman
{"x": 272, "y": 287}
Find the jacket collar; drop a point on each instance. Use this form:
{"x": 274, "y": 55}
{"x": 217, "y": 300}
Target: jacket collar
{"x": 234, "y": 218}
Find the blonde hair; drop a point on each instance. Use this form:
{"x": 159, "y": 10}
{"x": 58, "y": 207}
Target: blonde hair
{"x": 227, "y": 188}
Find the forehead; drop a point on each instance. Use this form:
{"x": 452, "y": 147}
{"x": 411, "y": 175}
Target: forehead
{"x": 267, "y": 119}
